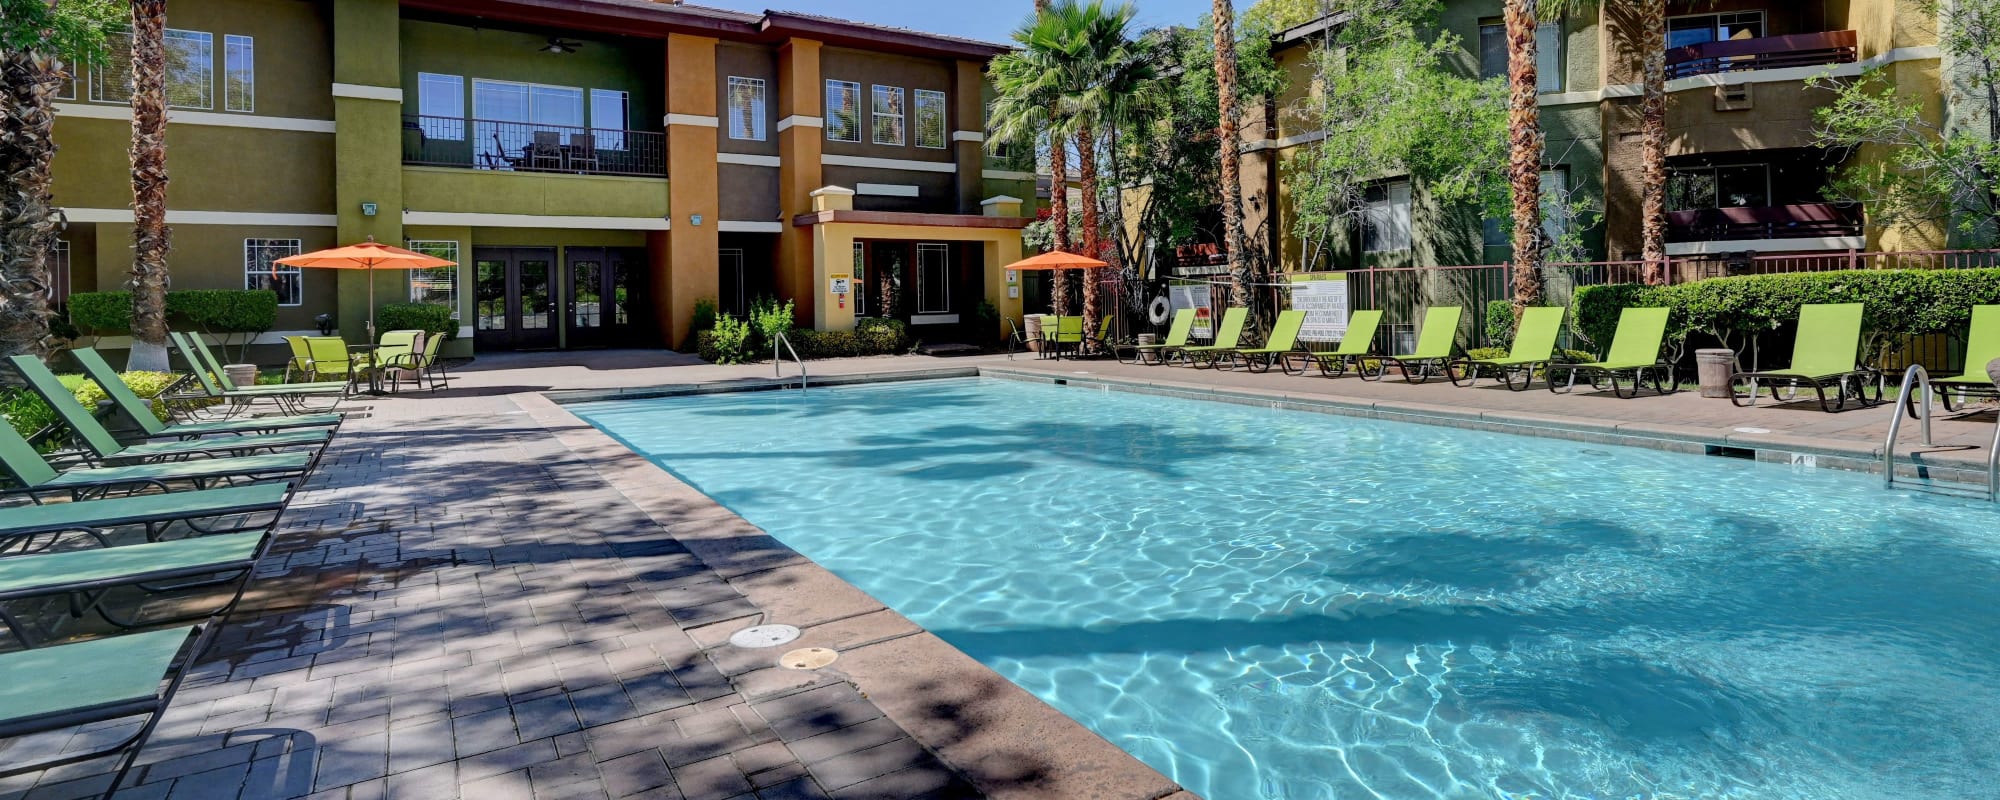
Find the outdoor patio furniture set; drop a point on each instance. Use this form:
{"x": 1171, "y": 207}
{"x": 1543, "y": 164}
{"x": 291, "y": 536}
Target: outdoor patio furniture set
{"x": 401, "y": 355}
{"x": 153, "y": 526}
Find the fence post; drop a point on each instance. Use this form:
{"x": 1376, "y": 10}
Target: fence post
{"x": 1853, "y": 258}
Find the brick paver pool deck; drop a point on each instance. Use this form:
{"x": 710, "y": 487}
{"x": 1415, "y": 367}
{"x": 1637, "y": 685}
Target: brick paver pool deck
{"x": 479, "y": 596}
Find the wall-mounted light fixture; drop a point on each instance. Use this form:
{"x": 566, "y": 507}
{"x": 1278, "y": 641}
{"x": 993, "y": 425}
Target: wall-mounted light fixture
{"x": 368, "y": 209}
{"x": 695, "y": 219}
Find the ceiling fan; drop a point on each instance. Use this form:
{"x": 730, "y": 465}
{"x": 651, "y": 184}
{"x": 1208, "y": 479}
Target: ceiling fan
{"x": 560, "y": 45}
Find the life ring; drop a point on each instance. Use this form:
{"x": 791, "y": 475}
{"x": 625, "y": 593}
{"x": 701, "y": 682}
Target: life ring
{"x": 1159, "y": 310}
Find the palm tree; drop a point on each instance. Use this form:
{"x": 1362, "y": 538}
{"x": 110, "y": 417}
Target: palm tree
{"x": 1230, "y": 150}
{"x": 150, "y": 235}
{"x": 1653, "y": 143}
{"x": 38, "y": 42}
{"x": 1024, "y": 110}
{"x": 1525, "y": 144}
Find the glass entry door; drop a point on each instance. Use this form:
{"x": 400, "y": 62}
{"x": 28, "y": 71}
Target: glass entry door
{"x": 604, "y": 284}
{"x": 514, "y": 298}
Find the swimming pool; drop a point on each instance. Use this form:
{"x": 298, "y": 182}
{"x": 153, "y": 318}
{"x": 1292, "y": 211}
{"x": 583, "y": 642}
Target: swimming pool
{"x": 1277, "y": 604}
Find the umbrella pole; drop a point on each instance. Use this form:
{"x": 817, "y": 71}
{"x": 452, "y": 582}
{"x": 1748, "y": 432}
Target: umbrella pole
{"x": 371, "y": 303}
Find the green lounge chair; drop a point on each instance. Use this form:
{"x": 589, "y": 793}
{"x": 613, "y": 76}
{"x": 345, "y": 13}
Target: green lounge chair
{"x": 1284, "y": 339}
{"x": 50, "y": 689}
{"x": 1356, "y": 344}
{"x": 98, "y": 445}
{"x": 1635, "y": 354}
{"x": 1534, "y": 347}
{"x": 1823, "y": 357}
{"x": 1435, "y": 344}
{"x": 34, "y": 476}
{"x": 290, "y": 397}
{"x": 1177, "y": 338}
{"x": 135, "y": 411}
{"x": 204, "y": 357}
{"x": 1982, "y": 345}
{"x": 20, "y": 525}
{"x": 1227, "y": 338}
{"x": 87, "y": 577}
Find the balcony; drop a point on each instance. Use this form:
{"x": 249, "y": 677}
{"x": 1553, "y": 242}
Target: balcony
{"x": 532, "y": 147}
{"x": 1803, "y": 221}
{"x": 1768, "y": 52}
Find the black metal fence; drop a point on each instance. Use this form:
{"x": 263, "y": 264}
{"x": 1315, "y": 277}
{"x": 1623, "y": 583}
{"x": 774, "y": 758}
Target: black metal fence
{"x": 532, "y": 147}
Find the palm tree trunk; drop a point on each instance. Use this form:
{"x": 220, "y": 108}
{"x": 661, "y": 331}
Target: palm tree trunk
{"x": 1059, "y": 216}
{"x": 1524, "y": 157}
{"x": 1086, "y": 153}
{"x": 1653, "y": 146}
{"x": 1229, "y": 150}
{"x": 150, "y": 241}
{"x": 29, "y": 81}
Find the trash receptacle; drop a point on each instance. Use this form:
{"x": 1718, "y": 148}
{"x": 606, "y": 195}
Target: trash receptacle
{"x": 1993, "y": 371}
{"x": 241, "y": 374}
{"x": 1031, "y": 326}
{"x": 1713, "y": 368}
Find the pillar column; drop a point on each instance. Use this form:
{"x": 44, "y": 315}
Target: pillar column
{"x": 801, "y": 124}
{"x": 692, "y": 199}
{"x": 968, "y": 133}
{"x": 368, "y": 148}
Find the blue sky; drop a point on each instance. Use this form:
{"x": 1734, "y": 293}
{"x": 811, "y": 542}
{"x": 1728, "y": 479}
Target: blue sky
{"x": 990, "y": 20}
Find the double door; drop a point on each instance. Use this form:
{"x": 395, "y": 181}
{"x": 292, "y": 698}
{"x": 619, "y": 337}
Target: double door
{"x": 539, "y": 298}
{"x": 514, "y": 299}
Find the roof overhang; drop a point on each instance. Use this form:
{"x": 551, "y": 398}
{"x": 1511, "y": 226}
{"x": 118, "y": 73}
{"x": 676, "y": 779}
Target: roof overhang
{"x": 648, "y": 19}
{"x": 910, "y": 218}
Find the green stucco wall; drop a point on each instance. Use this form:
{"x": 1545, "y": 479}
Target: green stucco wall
{"x": 490, "y": 192}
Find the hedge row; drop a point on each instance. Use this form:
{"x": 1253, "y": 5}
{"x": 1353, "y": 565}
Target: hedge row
{"x": 28, "y": 413}
{"x": 209, "y": 310}
{"x": 431, "y": 318}
{"x": 871, "y": 337}
{"x": 1898, "y": 303}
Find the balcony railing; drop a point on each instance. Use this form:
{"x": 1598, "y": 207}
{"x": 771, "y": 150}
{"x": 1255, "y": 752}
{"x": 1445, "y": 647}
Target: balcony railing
{"x": 1811, "y": 220}
{"x": 532, "y": 147}
{"x": 1769, "y": 52}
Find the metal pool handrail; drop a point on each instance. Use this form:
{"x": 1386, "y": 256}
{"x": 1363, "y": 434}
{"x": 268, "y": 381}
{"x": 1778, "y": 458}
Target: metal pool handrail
{"x": 778, "y": 365}
{"x": 1913, "y": 377}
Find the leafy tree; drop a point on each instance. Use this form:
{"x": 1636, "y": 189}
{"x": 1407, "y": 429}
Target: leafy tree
{"x": 40, "y": 41}
{"x": 1390, "y": 103}
{"x": 1926, "y": 172}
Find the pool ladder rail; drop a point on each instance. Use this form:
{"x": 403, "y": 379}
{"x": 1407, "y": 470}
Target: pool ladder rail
{"x": 778, "y": 364}
{"x": 1917, "y": 378}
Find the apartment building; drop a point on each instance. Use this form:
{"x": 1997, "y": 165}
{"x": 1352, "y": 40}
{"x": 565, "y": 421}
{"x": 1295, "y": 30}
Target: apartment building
{"x": 1745, "y": 172}
{"x": 595, "y": 167}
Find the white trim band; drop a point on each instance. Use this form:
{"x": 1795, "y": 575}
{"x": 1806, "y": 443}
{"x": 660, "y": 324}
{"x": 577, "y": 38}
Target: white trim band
{"x": 363, "y": 92}
{"x": 477, "y": 220}
{"x": 886, "y": 189}
{"x": 748, "y": 160}
{"x": 933, "y": 319}
{"x": 124, "y": 216}
{"x": 696, "y": 120}
{"x": 887, "y": 163}
{"x": 175, "y": 117}
{"x": 797, "y": 121}
{"x": 1818, "y": 244}
{"x": 968, "y": 136}
{"x": 749, "y": 226}
{"x": 1006, "y": 175}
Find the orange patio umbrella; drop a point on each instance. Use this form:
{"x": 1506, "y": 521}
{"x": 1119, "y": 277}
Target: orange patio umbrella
{"x": 369, "y": 255}
{"x": 1057, "y": 260}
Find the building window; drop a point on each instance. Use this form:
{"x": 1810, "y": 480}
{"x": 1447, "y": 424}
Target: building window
{"x": 746, "y": 108}
{"x": 1385, "y": 218}
{"x": 843, "y": 111}
{"x": 1725, "y": 186}
{"x": 1703, "y": 28}
{"x": 521, "y": 123}
{"x": 609, "y": 110}
{"x": 59, "y": 272}
{"x": 261, "y": 269}
{"x": 887, "y": 126}
{"x": 435, "y": 285}
{"x": 190, "y": 69}
{"x": 1549, "y": 43}
{"x": 441, "y": 106}
{"x": 239, "y": 73}
{"x": 930, "y": 119}
{"x": 67, "y": 89}
{"x": 933, "y": 279}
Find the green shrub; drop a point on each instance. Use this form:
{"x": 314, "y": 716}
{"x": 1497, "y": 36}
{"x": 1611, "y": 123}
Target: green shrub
{"x": 101, "y": 313}
{"x": 223, "y": 310}
{"x": 144, "y": 384}
{"x": 769, "y": 318}
{"x": 28, "y": 413}
{"x": 704, "y": 315}
{"x": 882, "y": 335}
{"x": 1485, "y": 353}
{"x": 1499, "y": 323}
{"x": 433, "y": 319}
{"x": 729, "y": 341}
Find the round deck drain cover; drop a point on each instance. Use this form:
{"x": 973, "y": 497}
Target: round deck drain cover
{"x": 808, "y": 658}
{"x": 764, "y": 636}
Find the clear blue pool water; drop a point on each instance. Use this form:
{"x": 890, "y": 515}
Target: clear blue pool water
{"x": 1272, "y": 604}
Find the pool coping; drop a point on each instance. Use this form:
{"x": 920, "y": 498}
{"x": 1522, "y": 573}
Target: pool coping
{"x": 1009, "y": 743}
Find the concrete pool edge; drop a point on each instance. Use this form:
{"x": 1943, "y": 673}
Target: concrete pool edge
{"x": 1007, "y": 742}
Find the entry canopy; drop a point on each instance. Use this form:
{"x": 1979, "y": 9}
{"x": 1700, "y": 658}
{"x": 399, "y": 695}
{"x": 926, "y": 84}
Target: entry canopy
{"x": 1056, "y": 260}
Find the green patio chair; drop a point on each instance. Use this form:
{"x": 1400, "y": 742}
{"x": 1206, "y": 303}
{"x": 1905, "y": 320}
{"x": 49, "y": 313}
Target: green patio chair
{"x": 1823, "y": 357}
{"x": 86, "y": 578}
{"x": 301, "y": 359}
{"x": 1284, "y": 339}
{"x": 34, "y": 476}
{"x": 1355, "y": 345}
{"x": 21, "y": 525}
{"x": 1982, "y": 345}
{"x": 1227, "y": 338}
{"x": 290, "y": 397}
{"x": 1635, "y": 354}
{"x": 1158, "y": 353}
{"x": 1068, "y": 335}
{"x": 327, "y": 356}
{"x": 133, "y": 676}
{"x": 134, "y": 410}
{"x": 395, "y": 345}
{"x": 1534, "y": 347}
{"x": 1435, "y": 345}
{"x": 424, "y": 365}
{"x": 204, "y": 356}
{"x": 98, "y": 445}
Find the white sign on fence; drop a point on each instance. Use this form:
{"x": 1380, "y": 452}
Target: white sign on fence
{"x": 1323, "y": 296}
{"x": 1195, "y": 296}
